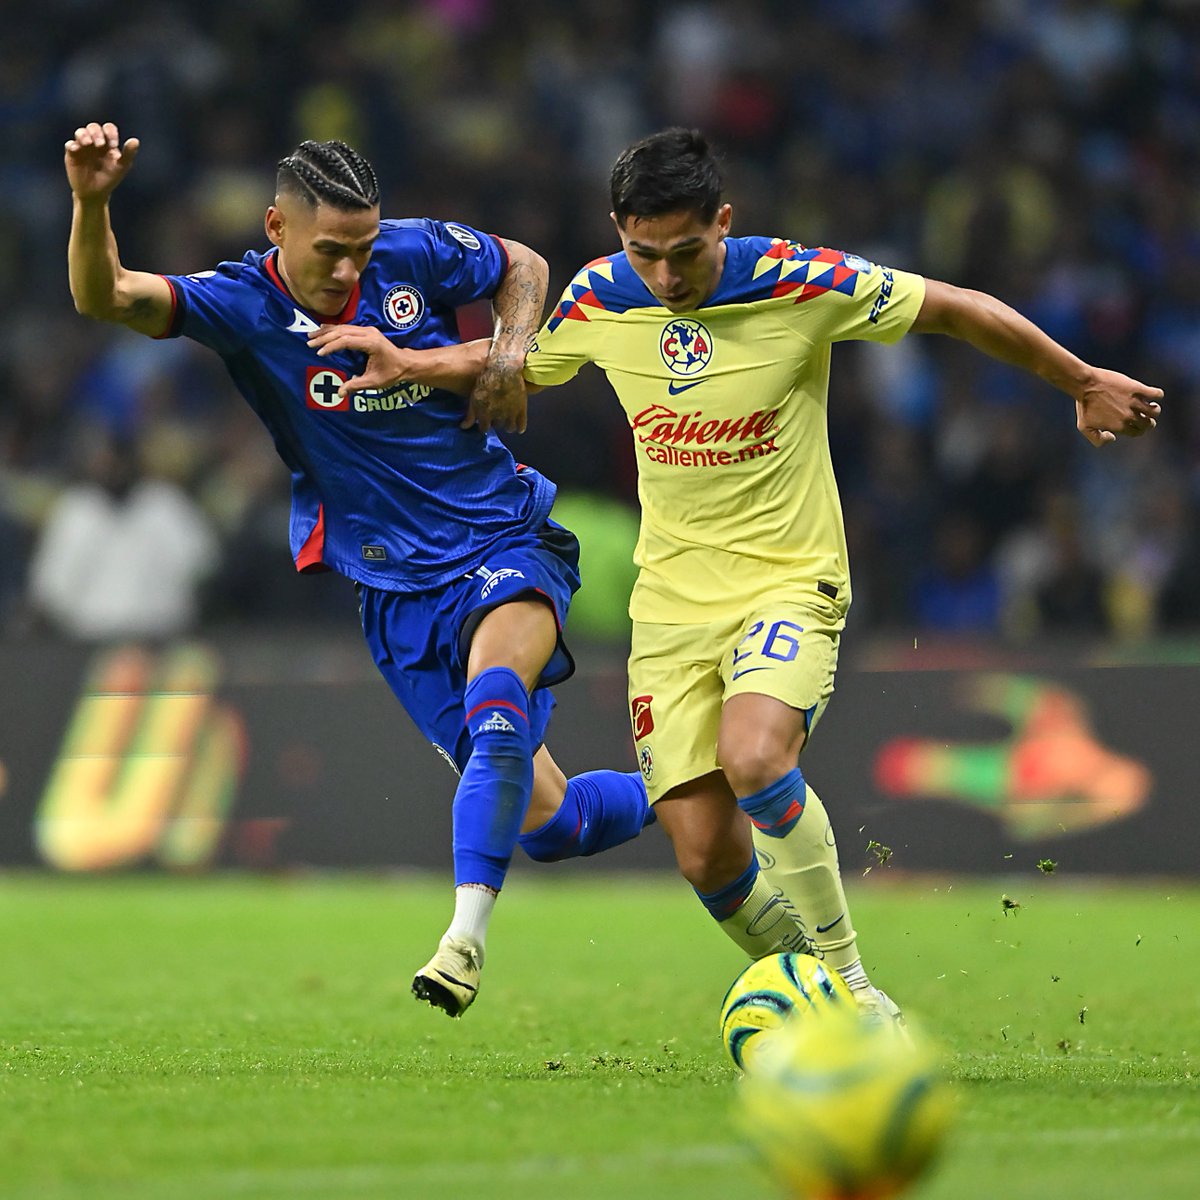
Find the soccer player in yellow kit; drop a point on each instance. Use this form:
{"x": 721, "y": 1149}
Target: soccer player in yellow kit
{"x": 718, "y": 349}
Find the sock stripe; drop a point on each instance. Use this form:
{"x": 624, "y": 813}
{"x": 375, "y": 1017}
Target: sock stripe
{"x": 723, "y": 903}
{"x": 499, "y": 704}
{"x": 793, "y": 814}
{"x": 775, "y": 809}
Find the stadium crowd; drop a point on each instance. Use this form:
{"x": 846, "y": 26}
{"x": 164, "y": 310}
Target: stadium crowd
{"x": 1047, "y": 151}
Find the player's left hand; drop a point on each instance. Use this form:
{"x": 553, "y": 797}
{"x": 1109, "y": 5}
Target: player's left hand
{"x": 387, "y": 364}
{"x": 1112, "y": 405}
{"x": 499, "y": 399}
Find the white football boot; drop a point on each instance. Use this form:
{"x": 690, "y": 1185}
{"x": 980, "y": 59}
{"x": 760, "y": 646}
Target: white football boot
{"x": 450, "y": 979}
{"x": 878, "y": 1009}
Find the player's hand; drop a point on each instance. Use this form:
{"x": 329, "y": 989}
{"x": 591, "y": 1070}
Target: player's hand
{"x": 387, "y": 364}
{"x": 96, "y": 160}
{"x": 1113, "y": 405}
{"x": 499, "y": 399}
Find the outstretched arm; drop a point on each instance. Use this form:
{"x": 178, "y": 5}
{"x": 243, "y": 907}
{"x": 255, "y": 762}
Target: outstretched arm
{"x": 96, "y": 162}
{"x": 498, "y": 397}
{"x": 1107, "y": 403}
{"x": 455, "y": 367}
{"x": 488, "y": 372}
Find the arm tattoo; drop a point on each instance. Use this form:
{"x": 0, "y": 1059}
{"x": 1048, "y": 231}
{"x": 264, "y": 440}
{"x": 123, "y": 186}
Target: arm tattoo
{"x": 520, "y": 299}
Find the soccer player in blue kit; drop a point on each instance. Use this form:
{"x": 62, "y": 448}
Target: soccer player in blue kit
{"x": 463, "y": 581}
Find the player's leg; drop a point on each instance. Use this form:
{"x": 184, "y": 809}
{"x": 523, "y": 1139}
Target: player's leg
{"x": 759, "y": 743}
{"x": 583, "y": 815}
{"x": 509, "y": 649}
{"x": 715, "y": 853}
{"x": 675, "y": 693}
{"x": 508, "y": 624}
{"x": 778, "y": 680}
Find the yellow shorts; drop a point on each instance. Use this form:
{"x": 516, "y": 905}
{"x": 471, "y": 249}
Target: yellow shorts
{"x": 681, "y": 675}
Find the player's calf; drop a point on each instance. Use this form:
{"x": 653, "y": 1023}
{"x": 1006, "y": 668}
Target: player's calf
{"x": 599, "y": 810}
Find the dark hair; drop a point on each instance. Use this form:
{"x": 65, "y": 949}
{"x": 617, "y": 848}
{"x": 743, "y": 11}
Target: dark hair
{"x": 328, "y": 173}
{"x": 667, "y": 172}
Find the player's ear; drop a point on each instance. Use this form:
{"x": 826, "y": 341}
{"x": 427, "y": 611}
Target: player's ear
{"x": 274, "y": 224}
{"x": 724, "y": 220}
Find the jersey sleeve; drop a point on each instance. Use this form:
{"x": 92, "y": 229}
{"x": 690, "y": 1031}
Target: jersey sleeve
{"x": 863, "y": 301}
{"x": 464, "y": 264}
{"x": 213, "y": 308}
{"x": 561, "y": 346}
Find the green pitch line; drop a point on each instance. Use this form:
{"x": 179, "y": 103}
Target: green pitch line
{"x": 229, "y": 1037}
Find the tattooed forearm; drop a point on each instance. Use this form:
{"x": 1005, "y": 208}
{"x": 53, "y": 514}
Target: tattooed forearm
{"x": 519, "y": 302}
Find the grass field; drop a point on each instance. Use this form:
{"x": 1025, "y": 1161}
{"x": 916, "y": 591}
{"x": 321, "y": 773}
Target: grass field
{"x": 232, "y": 1037}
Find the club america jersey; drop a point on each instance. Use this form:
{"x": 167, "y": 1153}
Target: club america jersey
{"x": 386, "y": 488}
{"x": 727, "y": 405}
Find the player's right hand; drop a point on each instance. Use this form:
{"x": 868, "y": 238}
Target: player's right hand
{"x": 387, "y": 364}
{"x": 96, "y": 161}
{"x": 1111, "y": 405}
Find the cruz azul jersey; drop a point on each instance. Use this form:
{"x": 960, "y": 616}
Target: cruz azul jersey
{"x": 727, "y": 405}
{"x": 386, "y": 488}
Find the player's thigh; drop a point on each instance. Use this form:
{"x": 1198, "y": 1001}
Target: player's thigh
{"x": 787, "y": 653}
{"x": 521, "y": 635}
{"x": 513, "y": 606}
{"x": 675, "y": 697}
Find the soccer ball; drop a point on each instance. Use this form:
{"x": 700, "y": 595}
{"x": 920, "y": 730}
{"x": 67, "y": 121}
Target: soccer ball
{"x": 843, "y": 1109}
{"x": 770, "y": 992}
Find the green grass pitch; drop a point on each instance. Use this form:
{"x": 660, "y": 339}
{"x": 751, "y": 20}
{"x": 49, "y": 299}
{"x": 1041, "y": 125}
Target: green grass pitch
{"x": 233, "y": 1037}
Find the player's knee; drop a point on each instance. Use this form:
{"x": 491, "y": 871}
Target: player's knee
{"x": 754, "y": 764}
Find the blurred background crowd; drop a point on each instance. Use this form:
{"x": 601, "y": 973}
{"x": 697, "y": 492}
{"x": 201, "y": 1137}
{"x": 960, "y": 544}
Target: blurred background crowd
{"x": 1047, "y": 151}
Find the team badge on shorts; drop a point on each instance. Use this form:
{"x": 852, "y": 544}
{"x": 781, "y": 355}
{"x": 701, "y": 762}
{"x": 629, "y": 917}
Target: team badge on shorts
{"x": 642, "y": 717}
{"x": 686, "y": 346}
{"x": 403, "y": 306}
{"x": 646, "y": 762}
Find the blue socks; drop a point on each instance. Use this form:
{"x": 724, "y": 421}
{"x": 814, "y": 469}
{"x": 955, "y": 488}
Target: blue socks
{"x": 775, "y": 809}
{"x": 601, "y": 809}
{"x": 724, "y": 903}
{"x": 494, "y": 791}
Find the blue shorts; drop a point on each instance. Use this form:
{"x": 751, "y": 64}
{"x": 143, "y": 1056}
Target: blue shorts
{"x": 420, "y": 640}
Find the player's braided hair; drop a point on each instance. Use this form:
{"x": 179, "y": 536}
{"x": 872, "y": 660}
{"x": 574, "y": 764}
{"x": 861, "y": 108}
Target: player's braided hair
{"x": 667, "y": 172}
{"x": 328, "y": 173}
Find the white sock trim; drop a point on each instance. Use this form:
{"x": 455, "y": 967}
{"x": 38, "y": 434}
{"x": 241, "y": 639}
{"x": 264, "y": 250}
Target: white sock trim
{"x": 855, "y": 976}
{"x": 473, "y": 904}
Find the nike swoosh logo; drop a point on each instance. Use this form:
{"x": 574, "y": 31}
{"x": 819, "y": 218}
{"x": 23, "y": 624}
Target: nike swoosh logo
{"x": 747, "y": 670}
{"x": 676, "y": 388}
{"x": 827, "y": 928}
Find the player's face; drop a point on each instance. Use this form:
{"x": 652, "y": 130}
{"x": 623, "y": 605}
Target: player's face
{"x": 322, "y": 250}
{"x": 679, "y": 256}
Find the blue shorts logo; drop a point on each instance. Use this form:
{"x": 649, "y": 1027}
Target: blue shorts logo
{"x": 686, "y": 346}
{"x": 498, "y": 577}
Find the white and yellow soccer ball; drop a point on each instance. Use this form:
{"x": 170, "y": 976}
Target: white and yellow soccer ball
{"x": 842, "y": 1109}
{"x": 771, "y": 992}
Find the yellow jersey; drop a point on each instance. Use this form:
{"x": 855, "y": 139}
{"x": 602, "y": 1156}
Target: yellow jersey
{"x": 727, "y": 405}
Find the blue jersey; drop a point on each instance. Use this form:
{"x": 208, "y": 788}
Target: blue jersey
{"x": 386, "y": 488}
